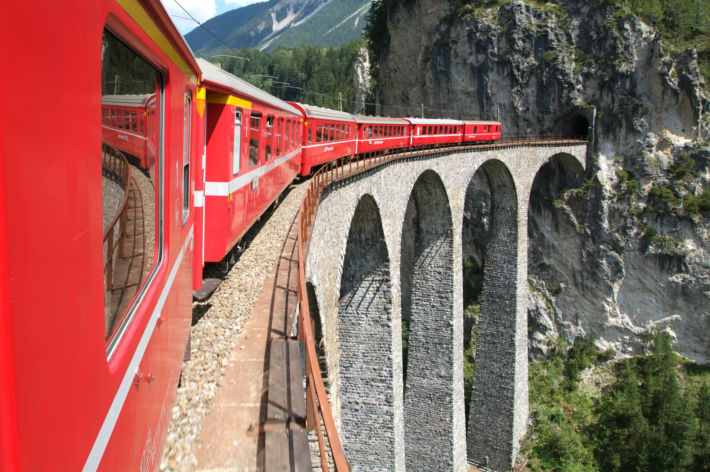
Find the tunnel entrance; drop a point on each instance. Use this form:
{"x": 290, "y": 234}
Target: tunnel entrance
{"x": 577, "y": 127}
{"x": 578, "y": 123}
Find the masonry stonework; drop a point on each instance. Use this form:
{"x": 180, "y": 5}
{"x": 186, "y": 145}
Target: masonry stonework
{"x": 406, "y": 273}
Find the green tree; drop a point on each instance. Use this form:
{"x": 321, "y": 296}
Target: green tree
{"x": 621, "y": 434}
{"x": 702, "y": 412}
{"x": 669, "y": 413}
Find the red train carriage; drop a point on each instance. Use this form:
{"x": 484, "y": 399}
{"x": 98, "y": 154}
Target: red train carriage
{"x": 252, "y": 154}
{"x": 377, "y": 133}
{"x": 481, "y": 131}
{"x": 128, "y": 124}
{"x": 95, "y": 245}
{"x": 430, "y": 131}
{"x": 327, "y": 135}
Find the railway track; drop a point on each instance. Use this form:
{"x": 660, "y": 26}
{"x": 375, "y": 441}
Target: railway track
{"x": 218, "y": 321}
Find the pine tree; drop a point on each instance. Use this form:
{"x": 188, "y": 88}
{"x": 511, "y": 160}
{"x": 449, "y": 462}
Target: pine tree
{"x": 702, "y": 412}
{"x": 622, "y": 431}
{"x": 669, "y": 413}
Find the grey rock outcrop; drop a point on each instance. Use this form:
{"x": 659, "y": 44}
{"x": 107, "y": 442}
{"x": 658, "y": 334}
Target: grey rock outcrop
{"x": 621, "y": 250}
{"x": 361, "y": 80}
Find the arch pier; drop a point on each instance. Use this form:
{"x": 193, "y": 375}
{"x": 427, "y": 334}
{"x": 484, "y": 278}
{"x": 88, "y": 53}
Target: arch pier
{"x": 386, "y": 253}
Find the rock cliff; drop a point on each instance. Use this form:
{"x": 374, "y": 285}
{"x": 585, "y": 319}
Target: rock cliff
{"x": 623, "y": 249}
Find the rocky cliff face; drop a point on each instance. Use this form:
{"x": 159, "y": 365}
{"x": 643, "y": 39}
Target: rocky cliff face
{"x": 626, "y": 250}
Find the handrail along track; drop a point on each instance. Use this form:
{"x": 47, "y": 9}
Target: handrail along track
{"x": 115, "y": 162}
{"x": 316, "y": 397}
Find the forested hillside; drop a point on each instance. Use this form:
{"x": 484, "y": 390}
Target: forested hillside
{"x": 317, "y": 76}
{"x": 282, "y": 23}
{"x": 647, "y": 413}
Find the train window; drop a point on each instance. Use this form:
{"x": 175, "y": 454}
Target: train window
{"x": 187, "y": 110}
{"x": 289, "y": 134}
{"x": 279, "y": 130}
{"x": 254, "y": 131}
{"x": 237, "y": 149}
{"x": 319, "y": 132}
{"x": 132, "y": 192}
{"x": 475, "y": 129}
{"x": 268, "y": 137}
{"x": 309, "y": 134}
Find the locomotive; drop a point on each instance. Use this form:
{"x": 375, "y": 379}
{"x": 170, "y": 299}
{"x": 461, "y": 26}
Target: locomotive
{"x": 125, "y": 168}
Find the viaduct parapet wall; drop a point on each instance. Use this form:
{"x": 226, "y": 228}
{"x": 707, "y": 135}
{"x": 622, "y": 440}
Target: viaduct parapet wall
{"x": 387, "y": 245}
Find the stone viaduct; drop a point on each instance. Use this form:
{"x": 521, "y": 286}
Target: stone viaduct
{"x": 387, "y": 244}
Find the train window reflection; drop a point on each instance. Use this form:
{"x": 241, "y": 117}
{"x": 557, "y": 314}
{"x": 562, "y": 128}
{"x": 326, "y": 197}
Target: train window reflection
{"x": 268, "y": 137}
{"x": 131, "y": 180}
{"x": 254, "y": 129}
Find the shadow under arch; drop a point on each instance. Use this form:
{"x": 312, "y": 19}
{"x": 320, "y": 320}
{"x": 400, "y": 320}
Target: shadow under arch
{"x": 556, "y": 196}
{"x": 426, "y": 275}
{"x": 498, "y": 405}
{"x": 365, "y": 336}
{"x": 314, "y": 311}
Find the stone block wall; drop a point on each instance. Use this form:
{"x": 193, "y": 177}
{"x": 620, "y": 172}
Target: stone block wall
{"x": 423, "y": 291}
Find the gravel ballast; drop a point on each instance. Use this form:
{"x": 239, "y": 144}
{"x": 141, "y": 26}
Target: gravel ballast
{"x": 217, "y": 323}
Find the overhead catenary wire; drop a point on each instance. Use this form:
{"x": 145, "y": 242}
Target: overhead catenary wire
{"x": 201, "y": 25}
{"x": 409, "y": 109}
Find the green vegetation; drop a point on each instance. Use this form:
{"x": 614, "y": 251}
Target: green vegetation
{"x": 697, "y": 204}
{"x": 317, "y": 76}
{"x": 667, "y": 243}
{"x": 682, "y": 24}
{"x": 652, "y": 415}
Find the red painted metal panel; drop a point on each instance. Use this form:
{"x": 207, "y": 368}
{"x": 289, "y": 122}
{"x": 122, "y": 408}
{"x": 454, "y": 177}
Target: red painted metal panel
{"x": 233, "y": 202}
{"x": 51, "y": 295}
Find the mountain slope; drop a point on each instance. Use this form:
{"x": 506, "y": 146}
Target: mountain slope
{"x": 283, "y": 23}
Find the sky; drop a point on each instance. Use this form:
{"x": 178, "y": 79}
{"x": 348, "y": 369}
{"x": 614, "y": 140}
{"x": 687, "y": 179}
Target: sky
{"x": 202, "y": 10}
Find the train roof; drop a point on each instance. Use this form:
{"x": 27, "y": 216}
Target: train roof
{"x": 433, "y": 121}
{"x": 133, "y": 101}
{"x": 312, "y": 111}
{"x": 213, "y": 74}
{"x": 481, "y": 122}
{"x": 384, "y": 120}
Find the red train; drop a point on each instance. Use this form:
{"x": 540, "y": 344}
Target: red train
{"x": 107, "y": 218}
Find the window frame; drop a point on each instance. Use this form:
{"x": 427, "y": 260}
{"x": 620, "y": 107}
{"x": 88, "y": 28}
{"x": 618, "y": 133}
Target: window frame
{"x": 186, "y": 151}
{"x": 237, "y": 143}
{"x": 122, "y": 34}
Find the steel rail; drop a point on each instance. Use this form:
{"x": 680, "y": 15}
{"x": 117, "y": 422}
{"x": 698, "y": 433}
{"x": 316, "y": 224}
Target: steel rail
{"x": 340, "y": 169}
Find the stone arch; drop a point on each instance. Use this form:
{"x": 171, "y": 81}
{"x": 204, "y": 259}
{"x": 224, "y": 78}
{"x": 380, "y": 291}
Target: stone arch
{"x": 426, "y": 275}
{"x": 365, "y": 334}
{"x": 499, "y": 408}
{"x": 555, "y": 243}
